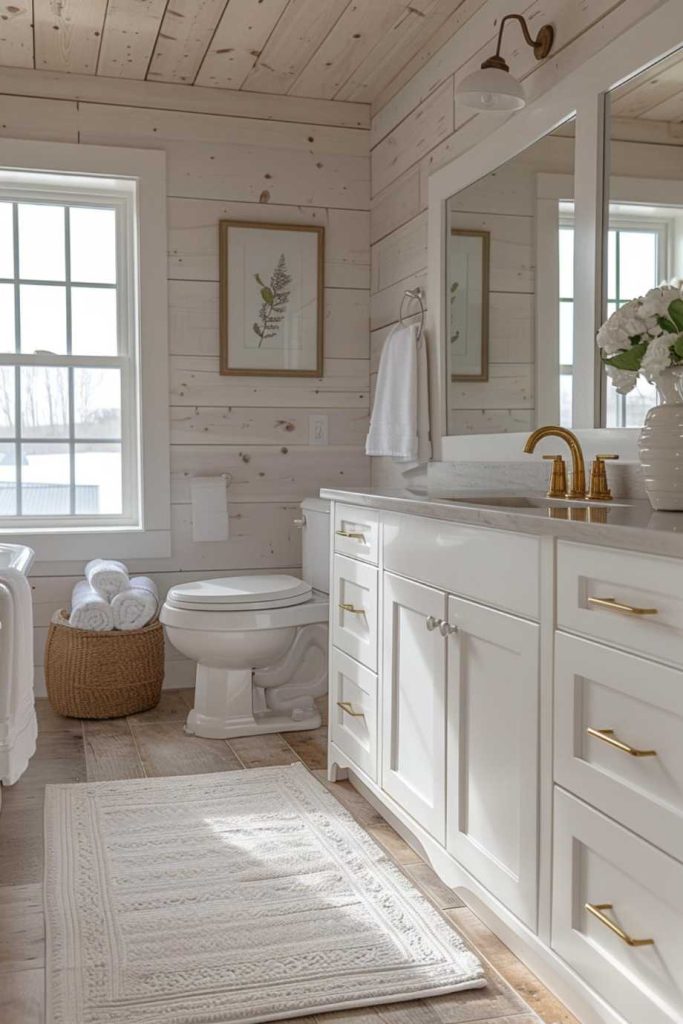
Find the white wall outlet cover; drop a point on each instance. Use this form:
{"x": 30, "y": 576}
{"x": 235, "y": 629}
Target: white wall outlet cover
{"x": 317, "y": 429}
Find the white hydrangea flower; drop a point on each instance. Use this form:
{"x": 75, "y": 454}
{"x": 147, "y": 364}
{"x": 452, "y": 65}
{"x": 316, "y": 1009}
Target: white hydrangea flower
{"x": 658, "y": 356}
{"x": 658, "y": 300}
{"x": 624, "y": 380}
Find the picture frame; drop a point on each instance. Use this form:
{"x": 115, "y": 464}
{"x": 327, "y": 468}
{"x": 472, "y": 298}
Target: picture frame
{"x": 271, "y": 299}
{"x": 467, "y": 304}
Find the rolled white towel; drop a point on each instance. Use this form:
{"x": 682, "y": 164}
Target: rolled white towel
{"x": 89, "y": 610}
{"x": 107, "y": 576}
{"x": 137, "y": 605}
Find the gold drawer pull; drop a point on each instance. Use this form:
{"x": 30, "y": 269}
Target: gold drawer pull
{"x": 607, "y": 736}
{"x": 347, "y": 706}
{"x": 596, "y": 910}
{"x": 616, "y": 606}
{"x": 351, "y": 535}
{"x": 351, "y": 608}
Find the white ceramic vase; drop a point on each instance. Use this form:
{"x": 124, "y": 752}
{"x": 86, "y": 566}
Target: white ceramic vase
{"x": 661, "y": 445}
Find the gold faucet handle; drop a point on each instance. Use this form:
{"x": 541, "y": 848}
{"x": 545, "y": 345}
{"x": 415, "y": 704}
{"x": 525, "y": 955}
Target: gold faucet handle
{"x": 558, "y": 477}
{"x": 599, "y": 488}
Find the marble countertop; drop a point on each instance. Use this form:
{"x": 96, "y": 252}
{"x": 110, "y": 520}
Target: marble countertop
{"x": 631, "y": 524}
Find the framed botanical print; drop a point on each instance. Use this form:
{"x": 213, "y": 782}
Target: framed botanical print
{"x": 467, "y": 299}
{"x": 271, "y": 299}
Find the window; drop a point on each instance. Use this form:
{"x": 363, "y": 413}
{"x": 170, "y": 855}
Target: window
{"x": 636, "y": 262}
{"x": 68, "y": 379}
{"x": 84, "y": 445}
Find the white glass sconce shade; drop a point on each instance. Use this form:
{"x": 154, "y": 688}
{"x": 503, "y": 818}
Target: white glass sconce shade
{"x": 491, "y": 89}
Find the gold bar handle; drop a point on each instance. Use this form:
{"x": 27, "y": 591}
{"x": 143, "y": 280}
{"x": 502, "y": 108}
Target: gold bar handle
{"x": 351, "y": 608}
{"x": 347, "y": 706}
{"x": 596, "y": 910}
{"x": 616, "y": 606}
{"x": 350, "y": 535}
{"x": 607, "y": 736}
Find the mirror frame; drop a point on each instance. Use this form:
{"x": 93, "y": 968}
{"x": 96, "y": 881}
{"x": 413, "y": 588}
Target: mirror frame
{"x": 581, "y": 94}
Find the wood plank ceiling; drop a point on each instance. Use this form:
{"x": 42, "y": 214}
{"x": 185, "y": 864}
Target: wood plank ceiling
{"x": 326, "y": 49}
{"x": 655, "y": 94}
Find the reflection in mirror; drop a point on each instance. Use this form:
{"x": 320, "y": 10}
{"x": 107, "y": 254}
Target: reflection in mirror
{"x": 509, "y": 266}
{"x": 644, "y": 206}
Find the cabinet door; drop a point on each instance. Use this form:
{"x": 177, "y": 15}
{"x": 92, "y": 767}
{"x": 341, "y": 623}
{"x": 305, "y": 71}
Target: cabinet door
{"x": 414, "y": 702}
{"x": 492, "y": 751}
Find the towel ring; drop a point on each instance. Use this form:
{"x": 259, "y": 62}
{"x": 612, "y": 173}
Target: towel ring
{"x": 415, "y": 294}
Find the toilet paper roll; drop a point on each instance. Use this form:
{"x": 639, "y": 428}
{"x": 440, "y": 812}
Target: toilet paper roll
{"x": 210, "y": 517}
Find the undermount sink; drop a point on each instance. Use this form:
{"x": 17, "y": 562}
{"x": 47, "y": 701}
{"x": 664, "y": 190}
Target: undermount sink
{"x": 528, "y": 501}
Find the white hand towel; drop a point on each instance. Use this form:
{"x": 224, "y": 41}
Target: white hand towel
{"x": 89, "y": 610}
{"x": 134, "y": 607}
{"x": 397, "y": 415}
{"x": 106, "y": 576}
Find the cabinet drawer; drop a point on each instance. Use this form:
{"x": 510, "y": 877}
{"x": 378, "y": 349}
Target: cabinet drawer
{"x": 627, "y": 599}
{"x": 353, "y": 711}
{"x": 491, "y": 566}
{"x": 354, "y": 610}
{"x": 638, "y": 890}
{"x": 641, "y": 704}
{"x": 356, "y": 532}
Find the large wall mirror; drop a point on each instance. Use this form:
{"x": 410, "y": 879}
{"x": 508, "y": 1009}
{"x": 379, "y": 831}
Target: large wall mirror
{"x": 643, "y": 205}
{"x": 507, "y": 312}
{"x": 543, "y": 226}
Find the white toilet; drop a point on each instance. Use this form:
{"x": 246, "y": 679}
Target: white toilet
{"x": 260, "y": 642}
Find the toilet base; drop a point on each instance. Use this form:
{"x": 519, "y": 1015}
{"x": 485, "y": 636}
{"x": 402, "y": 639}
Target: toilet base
{"x": 228, "y": 705}
{"x": 261, "y": 723}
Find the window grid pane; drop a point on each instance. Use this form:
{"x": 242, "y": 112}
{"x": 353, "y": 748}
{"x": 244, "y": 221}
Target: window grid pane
{"x": 40, "y": 450}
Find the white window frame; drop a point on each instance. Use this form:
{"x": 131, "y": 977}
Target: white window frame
{"x": 143, "y": 530}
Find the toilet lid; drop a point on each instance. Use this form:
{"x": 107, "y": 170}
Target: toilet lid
{"x": 237, "y": 591}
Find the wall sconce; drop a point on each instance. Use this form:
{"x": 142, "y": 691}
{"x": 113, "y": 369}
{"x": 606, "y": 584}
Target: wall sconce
{"x": 493, "y": 87}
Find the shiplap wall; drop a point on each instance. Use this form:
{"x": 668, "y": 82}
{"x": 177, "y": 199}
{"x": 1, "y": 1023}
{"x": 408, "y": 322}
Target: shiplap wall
{"x": 272, "y": 168}
{"x": 416, "y": 129}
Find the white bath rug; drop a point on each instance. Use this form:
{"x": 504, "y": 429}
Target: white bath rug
{"x": 229, "y": 898}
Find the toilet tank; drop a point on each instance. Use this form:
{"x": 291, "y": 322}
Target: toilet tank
{"x": 315, "y": 543}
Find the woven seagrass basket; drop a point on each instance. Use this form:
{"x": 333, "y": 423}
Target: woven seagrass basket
{"x": 103, "y": 675}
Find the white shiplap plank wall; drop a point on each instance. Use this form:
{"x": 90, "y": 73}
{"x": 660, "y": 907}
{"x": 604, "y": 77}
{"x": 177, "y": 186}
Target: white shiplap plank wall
{"x": 416, "y": 129}
{"x": 256, "y": 429}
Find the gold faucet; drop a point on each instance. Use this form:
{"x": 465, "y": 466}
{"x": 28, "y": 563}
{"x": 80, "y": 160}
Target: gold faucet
{"x": 578, "y": 484}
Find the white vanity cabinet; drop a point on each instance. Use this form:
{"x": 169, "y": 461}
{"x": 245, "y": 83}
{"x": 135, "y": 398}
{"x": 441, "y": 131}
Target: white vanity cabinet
{"x": 414, "y": 701}
{"x": 514, "y": 702}
{"x": 492, "y": 762}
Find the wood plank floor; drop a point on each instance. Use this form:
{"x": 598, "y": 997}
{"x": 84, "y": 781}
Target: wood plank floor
{"x": 154, "y": 744}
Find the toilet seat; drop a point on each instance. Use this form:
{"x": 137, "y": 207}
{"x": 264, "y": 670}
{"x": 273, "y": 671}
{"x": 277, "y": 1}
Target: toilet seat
{"x": 240, "y": 594}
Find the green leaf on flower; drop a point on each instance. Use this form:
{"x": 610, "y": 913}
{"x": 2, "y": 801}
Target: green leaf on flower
{"x": 677, "y": 347}
{"x": 667, "y": 325}
{"x": 267, "y": 295}
{"x": 630, "y": 359}
{"x": 676, "y": 313}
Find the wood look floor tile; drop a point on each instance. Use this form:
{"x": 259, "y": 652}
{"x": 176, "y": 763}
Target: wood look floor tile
{"x": 49, "y": 721}
{"x": 356, "y": 804}
{"x": 110, "y": 751}
{"x": 496, "y": 1000}
{"x": 22, "y": 997}
{"x": 171, "y": 708}
{"x": 397, "y": 848}
{"x": 438, "y": 892}
{"x": 166, "y": 750}
{"x": 22, "y": 928}
{"x": 310, "y": 746}
{"x": 59, "y": 757}
{"x": 21, "y": 841}
{"x": 262, "y": 751}
{"x": 537, "y": 996}
{"x": 187, "y": 693}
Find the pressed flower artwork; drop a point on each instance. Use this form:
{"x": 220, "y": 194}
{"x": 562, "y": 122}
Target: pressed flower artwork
{"x": 271, "y": 297}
